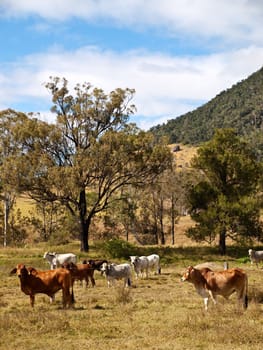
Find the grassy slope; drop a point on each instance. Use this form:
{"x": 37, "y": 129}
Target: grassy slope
{"x": 158, "y": 313}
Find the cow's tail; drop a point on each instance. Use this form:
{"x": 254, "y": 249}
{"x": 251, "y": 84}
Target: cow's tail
{"x": 245, "y": 294}
{"x": 72, "y": 297}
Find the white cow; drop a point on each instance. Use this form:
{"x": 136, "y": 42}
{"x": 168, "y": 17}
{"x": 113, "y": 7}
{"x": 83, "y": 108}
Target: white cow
{"x": 140, "y": 264}
{"x": 115, "y": 272}
{"x": 57, "y": 260}
{"x": 255, "y": 256}
{"x": 154, "y": 262}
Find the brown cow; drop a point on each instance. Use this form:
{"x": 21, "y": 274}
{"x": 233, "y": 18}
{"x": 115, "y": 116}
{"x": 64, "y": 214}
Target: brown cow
{"x": 48, "y": 282}
{"x": 81, "y": 272}
{"x": 210, "y": 283}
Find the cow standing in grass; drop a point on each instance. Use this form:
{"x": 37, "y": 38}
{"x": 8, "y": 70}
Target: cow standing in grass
{"x": 154, "y": 263}
{"x": 210, "y": 283}
{"x": 255, "y": 256}
{"x": 81, "y": 272}
{"x": 115, "y": 272}
{"x": 140, "y": 265}
{"x": 57, "y": 260}
{"x": 48, "y": 282}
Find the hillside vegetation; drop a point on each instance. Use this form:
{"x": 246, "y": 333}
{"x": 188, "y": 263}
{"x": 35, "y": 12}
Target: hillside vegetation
{"x": 239, "y": 107}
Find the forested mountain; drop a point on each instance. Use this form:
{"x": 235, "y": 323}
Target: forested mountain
{"x": 240, "y": 107}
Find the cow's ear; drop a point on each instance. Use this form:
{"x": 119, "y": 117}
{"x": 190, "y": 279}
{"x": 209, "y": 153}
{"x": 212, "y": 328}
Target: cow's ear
{"x": 31, "y": 270}
{"x": 12, "y": 272}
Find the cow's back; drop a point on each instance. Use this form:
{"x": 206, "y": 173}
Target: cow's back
{"x": 225, "y": 282}
{"x": 50, "y": 281}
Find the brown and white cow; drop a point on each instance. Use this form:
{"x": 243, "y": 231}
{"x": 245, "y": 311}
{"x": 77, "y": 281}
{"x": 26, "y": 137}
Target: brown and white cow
{"x": 48, "y": 282}
{"x": 210, "y": 283}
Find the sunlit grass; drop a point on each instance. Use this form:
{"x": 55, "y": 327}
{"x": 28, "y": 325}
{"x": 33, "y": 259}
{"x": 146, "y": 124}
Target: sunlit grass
{"x": 156, "y": 313}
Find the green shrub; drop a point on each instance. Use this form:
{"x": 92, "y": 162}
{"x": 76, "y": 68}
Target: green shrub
{"x": 117, "y": 248}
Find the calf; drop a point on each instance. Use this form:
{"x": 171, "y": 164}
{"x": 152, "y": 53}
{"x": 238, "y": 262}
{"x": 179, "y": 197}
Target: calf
{"x": 210, "y": 283}
{"x": 140, "y": 265}
{"x": 81, "y": 272}
{"x": 48, "y": 282}
{"x": 115, "y": 272}
{"x": 255, "y": 256}
{"x": 154, "y": 262}
{"x": 57, "y": 260}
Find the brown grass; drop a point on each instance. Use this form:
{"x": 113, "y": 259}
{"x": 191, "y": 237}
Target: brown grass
{"x": 158, "y": 313}
{"x": 184, "y": 156}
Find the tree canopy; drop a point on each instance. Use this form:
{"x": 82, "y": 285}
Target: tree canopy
{"x": 225, "y": 203}
{"x": 89, "y": 154}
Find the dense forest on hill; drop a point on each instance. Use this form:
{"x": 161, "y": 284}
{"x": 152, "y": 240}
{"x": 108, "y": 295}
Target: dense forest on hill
{"x": 239, "y": 107}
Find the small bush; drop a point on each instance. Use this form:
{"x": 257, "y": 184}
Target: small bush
{"x": 123, "y": 295}
{"x": 117, "y": 248}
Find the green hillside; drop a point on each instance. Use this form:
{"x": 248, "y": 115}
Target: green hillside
{"x": 240, "y": 107}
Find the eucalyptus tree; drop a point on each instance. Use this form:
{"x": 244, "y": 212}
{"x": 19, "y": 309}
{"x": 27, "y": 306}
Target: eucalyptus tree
{"x": 9, "y": 149}
{"x": 226, "y": 202}
{"x": 90, "y": 153}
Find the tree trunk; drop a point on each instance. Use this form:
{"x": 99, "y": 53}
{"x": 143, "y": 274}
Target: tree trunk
{"x": 6, "y": 215}
{"x": 84, "y": 235}
{"x": 162, "y": 238}
{"x": 172, "y": 218}
{"x": 222, "y": 241}
{"x": 84, "y": 223}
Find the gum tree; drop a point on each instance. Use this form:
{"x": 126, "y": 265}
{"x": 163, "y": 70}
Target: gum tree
{"x": 90, "y": 153}
{"x": 226, "y": 202}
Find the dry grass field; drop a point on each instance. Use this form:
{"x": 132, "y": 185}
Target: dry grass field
{"x": 160, "y": 312}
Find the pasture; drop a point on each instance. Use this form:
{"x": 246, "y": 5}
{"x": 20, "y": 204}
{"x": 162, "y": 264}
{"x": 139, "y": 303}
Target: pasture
{"x": 160, "y": 312}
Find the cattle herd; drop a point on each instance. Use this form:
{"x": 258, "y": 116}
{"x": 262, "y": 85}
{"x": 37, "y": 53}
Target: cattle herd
{"x": 64, "y": 271}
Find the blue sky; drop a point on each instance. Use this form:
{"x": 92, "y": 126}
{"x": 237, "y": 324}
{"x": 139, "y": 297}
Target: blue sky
{"x": 176, "y": 54}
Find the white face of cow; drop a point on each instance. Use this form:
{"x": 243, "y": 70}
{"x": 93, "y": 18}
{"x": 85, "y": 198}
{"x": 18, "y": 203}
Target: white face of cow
{"x": 133, "y": 258}
{"x": 186, "y": 274}
{"x": 104, "y": 267}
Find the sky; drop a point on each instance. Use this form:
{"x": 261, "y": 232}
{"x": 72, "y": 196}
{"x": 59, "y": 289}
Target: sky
{"x": 176, "y": 54}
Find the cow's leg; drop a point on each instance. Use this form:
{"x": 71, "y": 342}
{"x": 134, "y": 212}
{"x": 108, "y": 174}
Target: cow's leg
{"x": 213, "y": 297}
{"x": 242, "y": 298}
{"x": 206, "y": 303}
{"x": 52, "y": 298}
{"x": 32, "y": 300}
{"x": 127, "y": 282}
{"x": 92, "y": 281}
{"x": 66, "y": 298}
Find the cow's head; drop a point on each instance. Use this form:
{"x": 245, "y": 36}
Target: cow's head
{"x": 104, "y": 268}
{"x": 132, "y": 258}
{"x": 69, "y": 266}
{"x": 187, "y": 274}
{"x": 21, "y": 271}
{"x": 250, "y": 252}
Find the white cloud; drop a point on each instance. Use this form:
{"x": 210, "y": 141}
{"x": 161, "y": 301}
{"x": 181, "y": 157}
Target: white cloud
{"x": 235, "y": 21}
{"x": 166, "y": 86}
